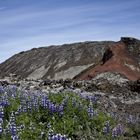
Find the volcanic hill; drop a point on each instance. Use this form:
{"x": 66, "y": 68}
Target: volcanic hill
{"x": 80, "y": 61}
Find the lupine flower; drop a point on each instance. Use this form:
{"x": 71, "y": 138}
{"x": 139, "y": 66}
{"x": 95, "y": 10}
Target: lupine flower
{"x": 51, "y": 108}
{"x": 1, "y": 113}
{"x": 1, "y": 120}
{"x": 107, "y": 125}
{"x": 15, "y": 137}
{"x": 118, "y": 130}
{"x": 60, "y": 110}
{"x": 90, "y": 111}
{"x": 19, "y": 110}
{"x": 1, "y": 89}
{"x": 4, "y": 101}
{"x": 56, "y": 137}
{"x": 12, "y": 118}
{"x": 13, "y": 129}
{"x": 114, "y": 132}
{"x": 44, "y": 101}
{"x": 0, "y": 128}
{"x": 50, "y": 134}
{"x": 33, "y": 101}
{"x": 13, "y": 88}
{"x": 35, "y": 105}
{"x": 106, "y": 128}
{"x": 93, "y": 99}
{"x": 130, "y": 119}
{"x": 24, "y": 109}
{"x": 29, "y": 106}
{"x": 73, "y": 102}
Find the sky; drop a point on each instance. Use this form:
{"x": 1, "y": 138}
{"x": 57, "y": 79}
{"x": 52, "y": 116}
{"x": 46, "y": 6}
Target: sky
{"x": 26, "y": 24}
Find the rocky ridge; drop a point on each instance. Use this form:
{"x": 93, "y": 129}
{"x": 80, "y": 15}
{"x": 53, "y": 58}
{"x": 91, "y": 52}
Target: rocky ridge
{"x": 79, "y": 61}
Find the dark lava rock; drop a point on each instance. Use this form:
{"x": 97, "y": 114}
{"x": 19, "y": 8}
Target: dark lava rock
{"x": 135, "y": 86}
{"x": 4, "y": 83}
{"x": 107, "y": 55}
{"x": 46, "y": 82}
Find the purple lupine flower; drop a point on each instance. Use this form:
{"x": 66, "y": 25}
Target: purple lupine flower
{"x": 4, "y": 101}
{"x": 117, "y": 130}
{"x": 130, "y": 119}
{"x": 35, "y": 105}
{"x": 50, "y": 134}
{"x": 44, "y": 101}
{"x": 51, "y": 108}
{"x": 1, "y": 120}
{"x": 120, "y": 129}
{"x": 73, "y": 102}
{"x": 1, "y": 89}
{"x": 13, "y": 88}
{"x": 107, "y": 125}
{"x": 29, "y": 106}
{"x": 106, "y": 128}
{"x": 19, "y": 109}
{"x": 1, "y": 112}
{"x": 24, "y": 109}
{"x": 90, "y": 111}
{"x": 63, "y": 137}
{"x": 93, "y": 99}
{"x": 60, "y": 110}
{"x": 56, "y": 137}
{"x": 15, "y": 137}
{"x": 12, "y": 118}
{"x": 114, "y": 132}
{"x": 12, "y": 129}
{"x": 0, "y": 128}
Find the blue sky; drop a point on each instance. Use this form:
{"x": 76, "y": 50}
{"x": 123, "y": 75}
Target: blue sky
{"x": 25, "y": 24}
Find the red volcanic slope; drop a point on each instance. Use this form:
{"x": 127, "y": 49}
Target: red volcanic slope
{"x": 120, "y": 61}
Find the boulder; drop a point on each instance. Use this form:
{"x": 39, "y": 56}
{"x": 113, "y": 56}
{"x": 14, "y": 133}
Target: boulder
{"x": 135, "y": 86}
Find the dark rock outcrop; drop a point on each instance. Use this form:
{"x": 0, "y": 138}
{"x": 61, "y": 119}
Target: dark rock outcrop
{"x": 107, "y": 55}
{"x": 4, "y": 83}
{"x": 135, "y": 86}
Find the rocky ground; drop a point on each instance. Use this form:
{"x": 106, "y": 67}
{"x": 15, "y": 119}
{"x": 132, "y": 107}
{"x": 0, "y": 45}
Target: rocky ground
{"x": 115, "y": 93}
